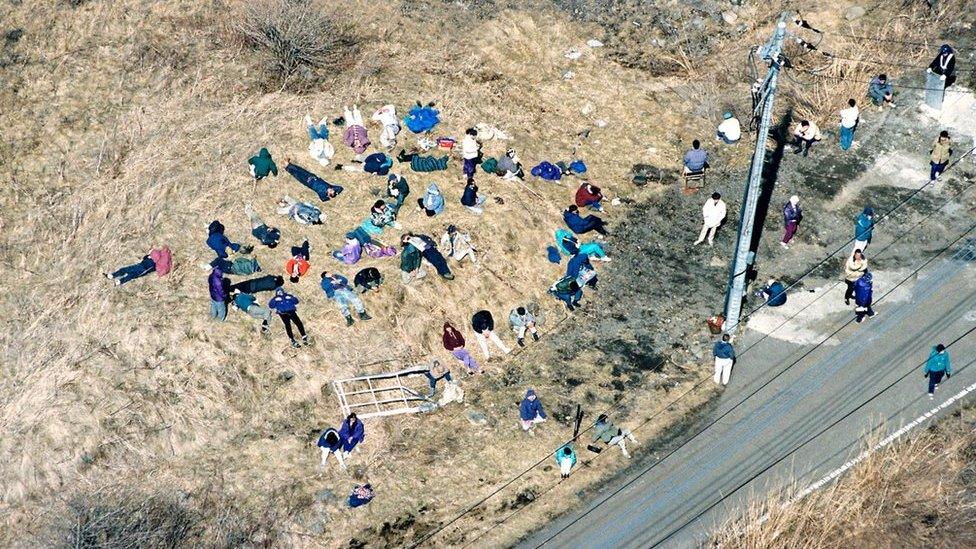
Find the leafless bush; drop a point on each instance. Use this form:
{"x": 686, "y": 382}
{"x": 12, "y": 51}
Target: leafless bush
{"x": 299, "y": 41}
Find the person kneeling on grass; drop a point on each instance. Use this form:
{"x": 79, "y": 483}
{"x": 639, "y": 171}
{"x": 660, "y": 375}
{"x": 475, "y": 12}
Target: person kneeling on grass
{"x": 774, "y": 292}
{"x": 336, "y": 288}
{"x": 612, "y": 435}
{"x": 330, "y": 443}
{"x": 531, "y": 411}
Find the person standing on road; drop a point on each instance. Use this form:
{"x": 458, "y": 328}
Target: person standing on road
{"x": 724, "y": 358}
{"x": 848, "y": 123}
{"x": 713, "y": 213}
{"x": 936, "y": 366}
{"x": 863, "y": 228}
{"x": 863, "y": 297}
{"x": 792, "y": 215}
{"x": 939, "y": 155}
{"x": 854, "y": 269}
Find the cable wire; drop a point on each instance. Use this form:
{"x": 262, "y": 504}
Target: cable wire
{"x": 950, "y": 89}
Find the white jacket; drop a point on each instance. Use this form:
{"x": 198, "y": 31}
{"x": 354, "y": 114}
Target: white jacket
{"x": 731, "y": 128}
{"x": 713, "y": 212}
{"x": 469, "y": 147}
{"x": 386, "y": 116}
{"x": 457, "y": 246}
{"x": 321, "y": 150}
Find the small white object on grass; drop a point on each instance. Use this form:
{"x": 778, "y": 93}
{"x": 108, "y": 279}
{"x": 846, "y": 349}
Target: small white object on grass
{"x": 615, "y": 202}
{"x": 568, "y": 75}
{"x": 594, "y": 43}
{"x": 573, "y": 54}
{"x": 601, "y": 123}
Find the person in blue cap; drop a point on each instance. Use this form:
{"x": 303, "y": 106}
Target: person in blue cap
{"x": 729, "y": 131}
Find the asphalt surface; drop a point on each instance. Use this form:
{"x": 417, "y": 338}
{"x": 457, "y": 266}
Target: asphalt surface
{"x": 713, "y": 476}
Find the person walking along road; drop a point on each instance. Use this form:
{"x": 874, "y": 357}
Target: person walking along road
{"x": 724, "y": 358}
{"x": 936, "y": 366}
{"x": 854, "y": 269}
{"x": 864, "y": 229}
{"x": 863, "y": 297}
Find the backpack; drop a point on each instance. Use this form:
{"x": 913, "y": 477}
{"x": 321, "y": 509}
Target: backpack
{"x": 553, "y": 255}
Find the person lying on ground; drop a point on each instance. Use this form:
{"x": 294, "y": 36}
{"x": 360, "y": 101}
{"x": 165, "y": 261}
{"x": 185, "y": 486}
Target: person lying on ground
{"x": 361, "y": 495}
{"x": 589, "y": 196}
{"x": 302, "y": 212}
{"x": 522, "y": 320}
{"x": 436, "y": 372}
{"x": 352, "y": 432}
{"x": 387, "y": 118}
{"x": 397, "y": 189}
{"x": 266, "y": 283}
{"x": 531, "y": 411}
{"x": 580, "y": 268}
{"x": 218, "y": 242}
{"x": 470, "y": 152}
{"x": 509, "y": 166}
{"x": 569, "y": 245}
{"x": 355, "y": 134}
{"x": 330, "y": 444}
{"x": 568, "y": 290}
{"x": 882, "y": 92}
{"x": 454, "y": 342}
{"x": 326, "y": 191}
{"x": 285, "y": 306}
{"x": 260, "y": 230}
{"x": 262, "y": 165}
{"x": 376, "y": 164}
{"x": 336, "y": 288}
{"x": 411, "y": 262}
{"x": 583, "y": 225}
{"x": 367, "y": 279}
{"x": 423, "y": 164}
{"x": 458, "y": 245}
{"x": 158, "y": 260}
{"x": 432, "y": 202}
{"x": 696, "y": 158}
{"x": 428, "y": 250}
{"x": 484, "y": 325}
{"x": 247, "y": 304}
{"x": 319, "y": 147}
{"x": 298, "y": 265}
{"x": 241, "y": 264}
{"x": 729, "y": 131}
{"x": 351, "y": 251}
{"x": 805, "y": 134}
{"x": 566, "y": 459}
{"x": 470, "y": 198}
{"x": 604, "y": 430}
{"x": 219, "y": 287}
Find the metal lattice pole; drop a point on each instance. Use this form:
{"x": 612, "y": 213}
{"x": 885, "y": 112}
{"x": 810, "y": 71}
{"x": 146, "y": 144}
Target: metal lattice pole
{"x": 743, "y": 255}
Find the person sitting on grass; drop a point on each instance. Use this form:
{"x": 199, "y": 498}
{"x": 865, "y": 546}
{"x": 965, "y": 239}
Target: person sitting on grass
{"x": 775, "y": 293}
{"x": 351, "y": 432}
{"x": 566, "y": 459}
{"x": 325, "y": 190}
{"x": 336, "y": 288}
{"x": 397, "y": 189}
{"x": 218, "y": 242}
{"x": 458, "y": 245}
{"x": 531, "y": 411}
{"x": 158, "y": 260}
{"x": 432, "y": 202}
{"x": 331, "y": 444}
{"x": 436, "y": 372}
{"x": 262, "y": 165}
{"x": 589, "y": 196}
{"x": 509, "y": 166}
{"x": 470, "y": 198}
{"x": 582, "y": 225}
{"x": 568, "y": 290}
{"x": 454, "y": 342}
{"x": 729, "y": 131}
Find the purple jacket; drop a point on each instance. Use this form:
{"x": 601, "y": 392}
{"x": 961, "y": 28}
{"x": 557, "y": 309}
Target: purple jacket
{"x": 356, "y": 138}
{"x": 791, "y": 213}
{"x": 216, "y": 282}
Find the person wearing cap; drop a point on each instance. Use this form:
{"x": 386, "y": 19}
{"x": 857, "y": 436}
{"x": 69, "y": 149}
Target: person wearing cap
{"x": 863, "y": 228}
{"x": 522, "y": 320}
{"x": 863, "y": 297}
{"x": 612, "y": 435}
{"x": 792, "y": 215}
{"x": 729, "y": 131}
{"x": 566, "y": 459}
{"x": 881, "y": 91}
{"x": 436, "y": 372}
{"x": 458, "y": 245}
{"x": 397, "y": 189}
{"x": 330, "y": 444}
{"x": 713, "y": 214}
{"x": 531, "y": 411}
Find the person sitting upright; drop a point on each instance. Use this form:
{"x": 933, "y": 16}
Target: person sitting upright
{"x": 696, "y": 159}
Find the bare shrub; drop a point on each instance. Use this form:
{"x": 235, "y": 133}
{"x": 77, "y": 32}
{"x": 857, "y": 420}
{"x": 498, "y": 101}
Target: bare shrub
{"x": 299, "y": 41}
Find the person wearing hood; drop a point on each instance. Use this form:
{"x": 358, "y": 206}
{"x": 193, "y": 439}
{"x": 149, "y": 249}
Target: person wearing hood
{"x": 302, "y": 212}
{"x": 881, "y": 91}
{"x": 470, "y": 152}
{"x": 939, "y": 155}
{"x": 325, "y": 190}
{"x": 522, "y": 320}
{"x": 458, "y": 245}
{"x": 432, "y": 202}
{"x": 367, "y": 279}
{"x": 351, "y": 432}
{"x": 854, "y": 268}
{"x": 566, "y": 459}
{"x": 262, "y": 165}
{"x": 531, "y": 411}
{"x": 355, "y": 134}
{"x": 247, "y": 304}
{"x": 269, "y": 236}
{"x": 454, "y": 342}
{"x": 849, "y": 118}
{"x": 713, "y": 214}
{"x": 805, "y": 135}
{"x": 944, "y": 65}
{"x": 219, "y": 288}
{"x": 218, "y": 242}
{"x": 350, "y": 252}
{"x": 336, "y": 288}
{"x": 158, "y": 260}
{"x": 612, "y": 435}
{"x": 397, "y": 189}
{"x": 724, "y": 355}
{"x": 582, "y": 225}
{"x": 589, "y": 196}
{"x": 729, "y": 131}
{"x": 387, "y": 118}
{"x": 936, "y": 366}
{"x": 484, "y": 325}
{"x": 863, "y": 228}
{"x": 285, "y": 306}
{"x": 509, "y": 166}
{"x": 792, "y": 215}
{"x": 470, "y": 198}
{"x": 330, "y": 444}
{"x": 319, "y": 147}
{"x": 863, "y": 297}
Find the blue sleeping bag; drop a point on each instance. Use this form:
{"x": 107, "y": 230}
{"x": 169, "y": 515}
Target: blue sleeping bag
{"x": 548, "y": 171}
{"x": 421, "y": 119}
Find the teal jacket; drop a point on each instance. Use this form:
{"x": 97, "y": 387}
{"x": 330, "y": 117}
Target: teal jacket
{"x": 263, "y": 164}
{"x": 938, "y": 362}
{"x": 561, "y": 453}
{"x": 863, "y": 228}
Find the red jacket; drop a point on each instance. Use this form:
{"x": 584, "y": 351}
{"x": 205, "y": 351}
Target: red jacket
{"x": 163, "y": 260}
{"x": 302, "y": 266}
{"x": 453, "y": 339}
{"x": 587, "y": 194}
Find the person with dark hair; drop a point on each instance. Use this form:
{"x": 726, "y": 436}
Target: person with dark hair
{"x": 713, "y": 214}
{"x": 264, "y": 283}
{"x": 454, "y": 342}
{"x": 331, "y": 444}
{"x": 351, "y": 432}
{"x": 854, "y": 269}
{"x": 397, "y": 189}
{"x": 218, "y": 242}
{"x": 567, "y": 290}
{"x": 612, "y": 435}
{"x": 484, "y": 325}
{"x": 286, "y": 306}
{"x": 219, "y": 286}
{"x": 696, "y": 158}
{"x": 269, "y": 236}
{"x": 936, "y": 366}
{"x": 522, "y": 320}
{"x": 582, "y": 225}
{"x": 939, "y": 155}
{"x": 247, "y": 304}
{"x": 729, "y": 131}
{"x": 367, "y": 279}
{"x": 436, "y": 372}
{"x": 566, "y": 459}
{"x": 805, "y": 134}
{"x": 355, "y": 133}
{"x": 336, "y": 288}
{"x": 458, "y": 245}
{"x": 325, "y": 190}
{"x": 158, "y": 260}
{"x": 262, "y": 165}
{"x": 775, "y": 293}
{"x": 470, "y": 152}
{"x": 882, "y": 92}
{"x": 298, "y": 265}
{"x": 849, "y": 118}
{"x": 863, "y": 297}
{"x": 724, "y": 355}
{"x": 531, "y": 411}
{"x": 589, "y": 196}
{"x": 470, "y": 198}
{"x": 944, "y": 65}
{"x": 509, "y": 166}
{"x": 428, "y": 250}
{"x": 864, "y": 228}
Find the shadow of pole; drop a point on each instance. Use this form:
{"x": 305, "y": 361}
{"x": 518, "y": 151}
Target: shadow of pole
{"x": 780, "y": 135}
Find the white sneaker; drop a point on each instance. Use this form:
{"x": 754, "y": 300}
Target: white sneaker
{"x": 605, "y": 259}
{"x": 308, "y": 120}
{"x": 784, "y": 245}
{"x": 931, "y": 396}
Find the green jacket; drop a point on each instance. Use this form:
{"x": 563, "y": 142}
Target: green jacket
{"x": 605, "y": 431}
{"x": 410, "y": 259}
{"x": 263, "y": 164}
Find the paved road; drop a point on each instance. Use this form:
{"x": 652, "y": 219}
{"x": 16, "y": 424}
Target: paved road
{"x": 662, "y": 506}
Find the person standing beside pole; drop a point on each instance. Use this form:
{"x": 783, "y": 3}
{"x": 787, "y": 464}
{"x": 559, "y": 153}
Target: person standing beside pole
{"x": 724, "y": 358}
{"x": 713, "y": 213}
{"x": 792, "y": 215}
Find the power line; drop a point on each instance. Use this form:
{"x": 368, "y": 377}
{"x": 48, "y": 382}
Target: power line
{"x": 722, "y": 416}
{"x": 950, "y": 89}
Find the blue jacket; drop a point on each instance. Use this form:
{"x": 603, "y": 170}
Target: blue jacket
{"x": 283, "y": 302}
{"x": 723, "y": 349}
{"x": 530, "y": 408}
{"x": 863, "y": 227}
{"x": 351, "y": 436}
{"x": 575, "y": 222}
{"x": 217, "y": 241}
{"x": 791, "y": 213}
{"x": 863, "y": 290}
{"x": 576, "y": 264}
{"x": 938, "y": 362}
{"x": 433, "y": 199}
{"x": 326, "y": 444}
{"x": 329, "y": 286}
{"x": 777, "y": 294}
{"x": 470, "y": 195}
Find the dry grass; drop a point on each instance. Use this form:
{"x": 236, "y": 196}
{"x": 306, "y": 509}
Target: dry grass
{"x": 918, "y": 493}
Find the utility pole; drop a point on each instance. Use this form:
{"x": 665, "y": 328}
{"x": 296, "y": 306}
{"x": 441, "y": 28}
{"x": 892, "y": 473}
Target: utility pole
{"x": 744, "y": 257}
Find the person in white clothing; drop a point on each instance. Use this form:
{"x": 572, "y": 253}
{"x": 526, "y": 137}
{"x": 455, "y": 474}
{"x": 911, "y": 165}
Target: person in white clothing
{"x": 458, "y": 245}
{"x": 318, "y": 146}
{"x": 713, "y": 213}
{"x": 848, "y": 123}
{"x": 470, "y": 152}
{"x": 522, "y": 320}
{"x": 729, "y": 131}
{"x": 386, "y": 116}
{"x": 805, "y": 134}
